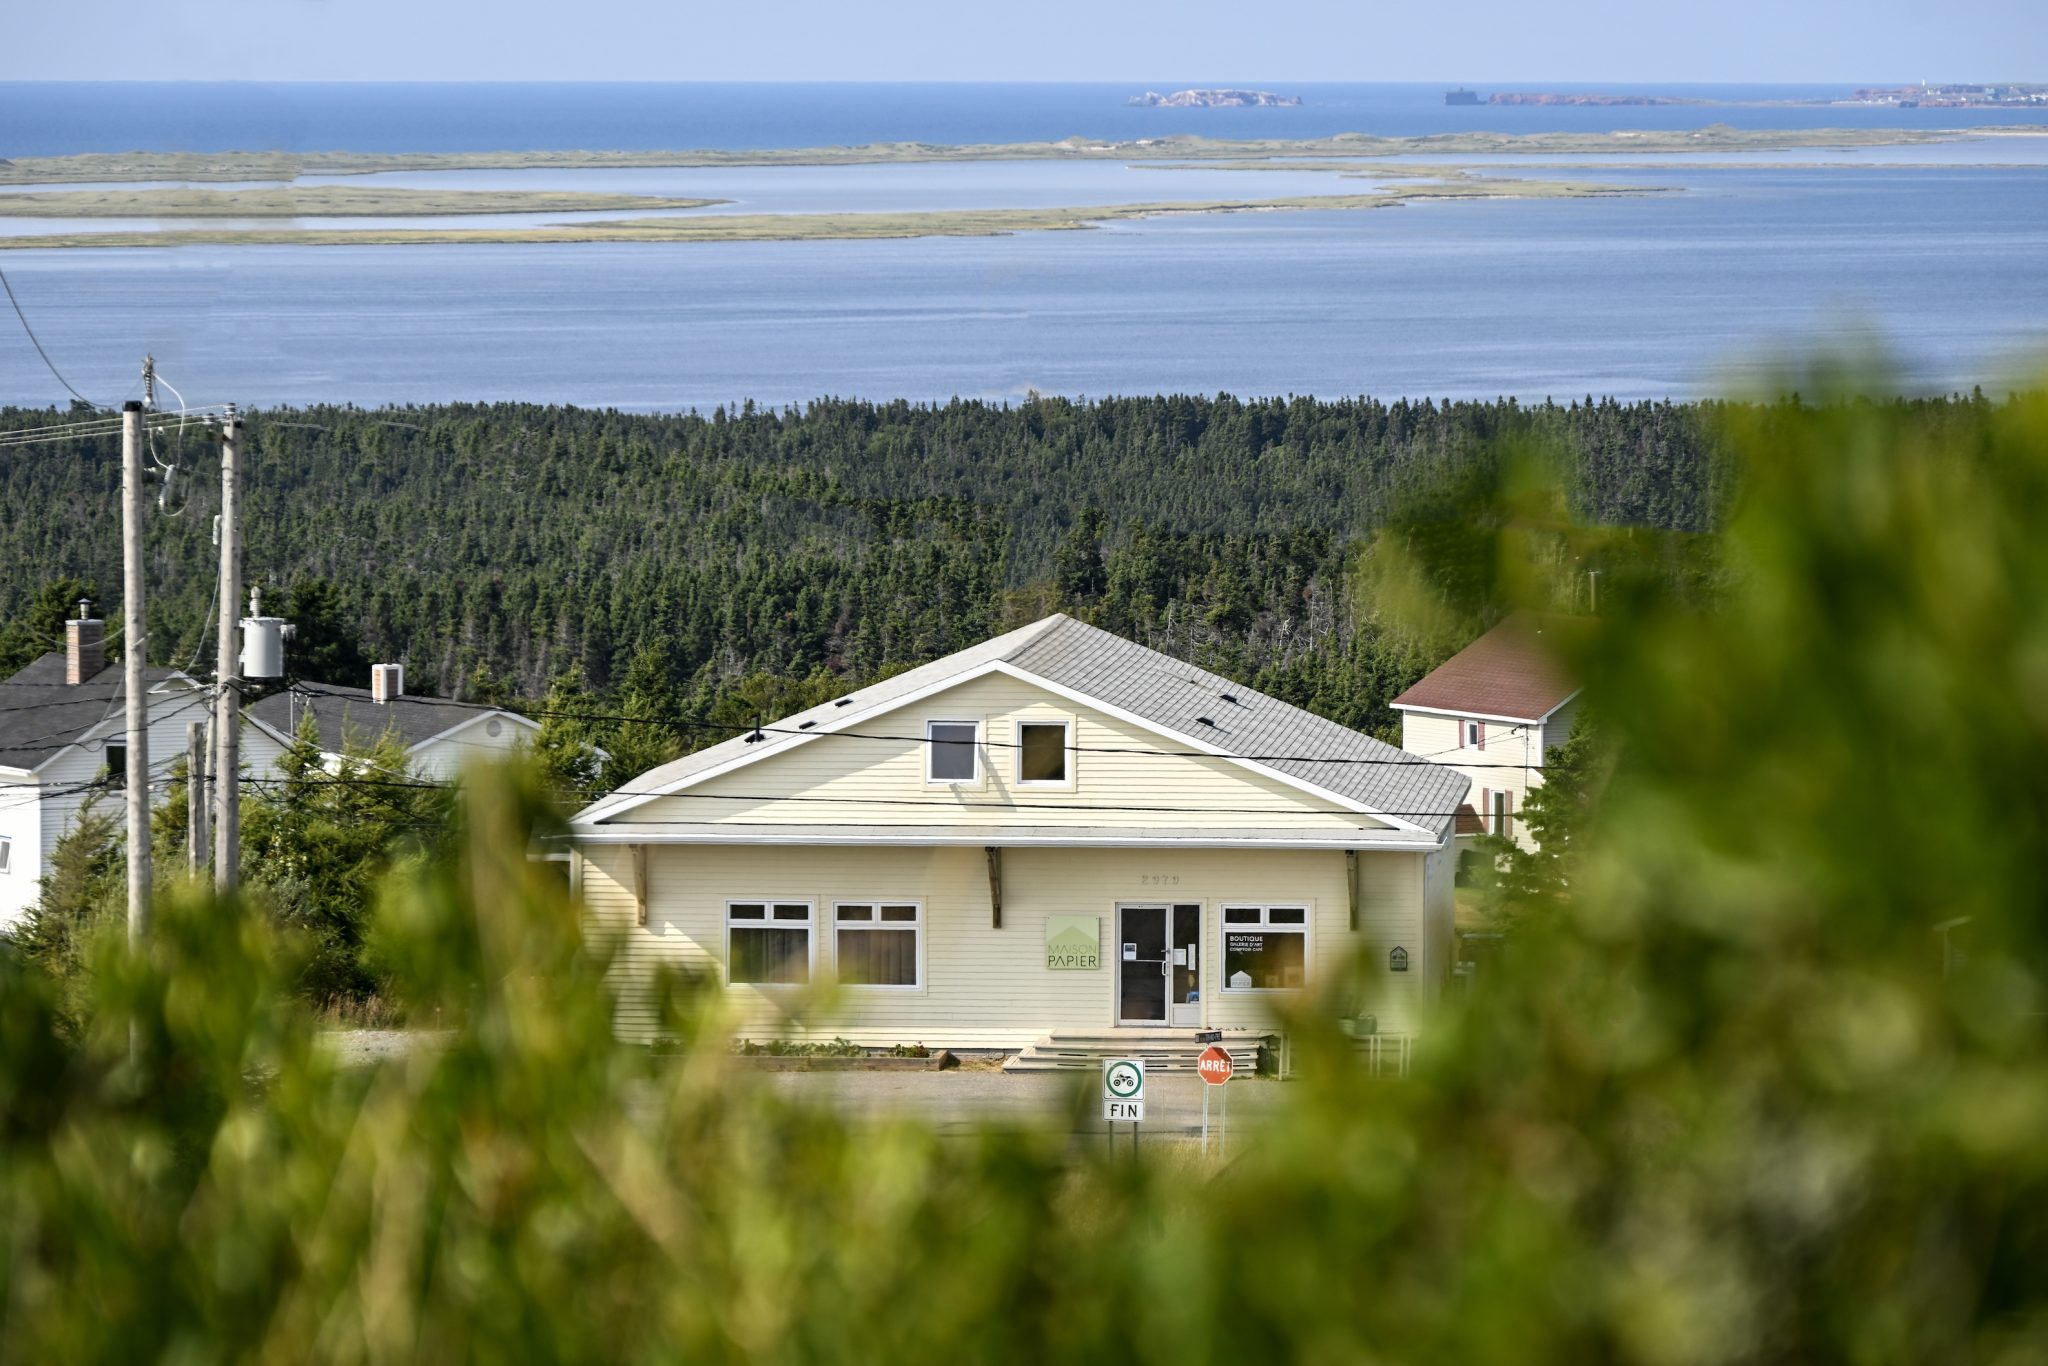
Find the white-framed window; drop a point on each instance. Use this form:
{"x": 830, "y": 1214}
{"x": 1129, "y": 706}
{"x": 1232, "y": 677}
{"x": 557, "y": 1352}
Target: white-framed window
{"x": 6, "y": 853}
{"x": 1475, "y": 735}
{"x": 952, "y": 752}
{"x": 879, "y": 943}
{"x": 1045, "y": 753}
{"x": 768, "y": 943}
{"x": 1500, "y": 812}
{"x": 1265, "y": 948}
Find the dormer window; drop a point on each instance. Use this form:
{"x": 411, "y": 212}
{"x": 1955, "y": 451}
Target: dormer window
{"x": 952, "y": 752}
{"x": 1475, "y": 735}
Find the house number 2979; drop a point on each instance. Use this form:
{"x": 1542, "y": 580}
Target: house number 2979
{"x": 1159, "y": 879}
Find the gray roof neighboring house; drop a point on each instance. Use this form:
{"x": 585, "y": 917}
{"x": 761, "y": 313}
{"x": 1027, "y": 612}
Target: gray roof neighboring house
{"x": 340, "y": 713}
{"x": 41, "y": 714}
{"x": 1164, "y": 693}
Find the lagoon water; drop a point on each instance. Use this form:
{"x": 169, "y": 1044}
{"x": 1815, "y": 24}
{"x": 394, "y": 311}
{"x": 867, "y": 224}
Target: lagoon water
{"x": 1703, "y": 286}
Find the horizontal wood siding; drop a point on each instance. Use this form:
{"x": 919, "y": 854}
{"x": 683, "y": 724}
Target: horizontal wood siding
{"x": 984, "y": 987}
{"x": 1511, "y": 761}
{"x": 37, "y": 823}
{"x": 850, "y": 780}
{"x": 1557, "y": 728}
{"x": 444, "y": 759}
{"x": 21, "y": 823}
{"x": 260, "y": 753}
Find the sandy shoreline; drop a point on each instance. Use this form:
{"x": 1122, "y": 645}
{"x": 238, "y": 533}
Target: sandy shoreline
{"x": 822, "y": 226}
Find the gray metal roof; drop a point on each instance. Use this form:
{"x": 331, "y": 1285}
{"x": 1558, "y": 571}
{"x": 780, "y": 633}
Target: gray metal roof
{"x": 340, "y": 712}
{"x": 40, "y": 713}
{"x": 1157, "y": 688}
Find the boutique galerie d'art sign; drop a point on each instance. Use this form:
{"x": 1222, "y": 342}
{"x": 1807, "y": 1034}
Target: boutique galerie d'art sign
{"x": 1073, "y": 942}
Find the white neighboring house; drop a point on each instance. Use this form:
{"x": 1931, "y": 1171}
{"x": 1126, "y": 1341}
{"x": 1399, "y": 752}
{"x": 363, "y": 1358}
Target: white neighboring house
{"x": 1494, "y": 711}
{"x": 440, "y": 735}
{"x": 63, "y": 737}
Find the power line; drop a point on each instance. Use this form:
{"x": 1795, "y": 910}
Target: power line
{"x": 964, "y": 807}
{"x": 38, "y": 341}
{"x": 82, "y": 431}
{"x": 731, "y": 729}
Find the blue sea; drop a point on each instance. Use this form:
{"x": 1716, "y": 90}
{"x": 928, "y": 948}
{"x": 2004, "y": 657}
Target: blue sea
{"x": 56, "y": 118}
{"x": 1731, "y": 267}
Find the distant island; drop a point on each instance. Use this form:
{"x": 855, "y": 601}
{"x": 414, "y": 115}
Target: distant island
{"x": 1589, "y": 101}
{"x": 1953, "y": 96}
{"x": 1893, "y": 97}
{"x": 1215, "y": 99}
{"x": 1462, "y": 96}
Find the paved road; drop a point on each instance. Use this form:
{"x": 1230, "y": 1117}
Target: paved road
{"x": 959, "y": 1102}
{"x": 955, "y": 1102}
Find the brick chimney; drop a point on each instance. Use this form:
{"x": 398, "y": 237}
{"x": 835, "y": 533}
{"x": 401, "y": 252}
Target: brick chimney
{"x": 85, "y": 646}
{"x": 386, "y": 682}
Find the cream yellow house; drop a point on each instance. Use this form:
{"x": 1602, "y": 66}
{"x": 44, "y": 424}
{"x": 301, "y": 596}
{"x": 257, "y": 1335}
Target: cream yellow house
{"x": 1056, "y": 832}
{"x": 1495, "y": 711}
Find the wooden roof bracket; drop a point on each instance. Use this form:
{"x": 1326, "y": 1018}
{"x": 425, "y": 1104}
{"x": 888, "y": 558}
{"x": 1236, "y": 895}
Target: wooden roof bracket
{"x": 640, "y": 884}
{"x": 995, "y": 887}
{"x": 1351, "y": 882}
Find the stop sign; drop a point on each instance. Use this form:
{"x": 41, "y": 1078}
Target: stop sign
{"x": 1215, "y": 1065}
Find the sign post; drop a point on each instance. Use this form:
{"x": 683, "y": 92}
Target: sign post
{"x": 1123, "y": 1094}
{"x": 1215, "y": 1067}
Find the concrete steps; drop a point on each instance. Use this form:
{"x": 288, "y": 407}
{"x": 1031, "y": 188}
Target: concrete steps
{"x": 1164, "y": 1050}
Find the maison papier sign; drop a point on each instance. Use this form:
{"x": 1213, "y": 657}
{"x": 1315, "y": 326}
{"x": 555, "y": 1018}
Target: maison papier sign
{"x": 1073, "y": 942}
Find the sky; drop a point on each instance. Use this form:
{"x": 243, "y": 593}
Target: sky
{"x": 1252, "y": 41}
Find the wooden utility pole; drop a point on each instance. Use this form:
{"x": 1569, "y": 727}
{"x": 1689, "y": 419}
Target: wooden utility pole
{"x": 197, "y": 840}
{"x": 227, "y": 796}
{"x": 132, "y": 644}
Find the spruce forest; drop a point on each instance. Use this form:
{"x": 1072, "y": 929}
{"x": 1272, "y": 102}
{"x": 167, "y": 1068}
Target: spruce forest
{"x": 718, "y": 567}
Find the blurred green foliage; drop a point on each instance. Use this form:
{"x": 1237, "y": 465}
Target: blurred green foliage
{"x": 1725, "y": 1100}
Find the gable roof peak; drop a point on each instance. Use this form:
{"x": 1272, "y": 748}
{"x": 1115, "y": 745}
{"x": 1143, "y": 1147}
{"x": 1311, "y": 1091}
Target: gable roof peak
{"x": 1165, "y": 694}
{"x": 1512, "y": 670}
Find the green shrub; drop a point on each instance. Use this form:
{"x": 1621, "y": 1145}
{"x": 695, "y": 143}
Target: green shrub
{"x": 1726, "y": 1101}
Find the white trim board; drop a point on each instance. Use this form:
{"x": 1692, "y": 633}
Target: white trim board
{"x": 919, "y": 837}
{"x": 610, "y": 809}
{"x": 1486, "y": 716}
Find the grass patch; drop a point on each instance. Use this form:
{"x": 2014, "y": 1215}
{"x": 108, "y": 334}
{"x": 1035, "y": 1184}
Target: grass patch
{"x": 284, "y": 166}
{"x": 824, "y": 227}
{"x": 320, "y": 201}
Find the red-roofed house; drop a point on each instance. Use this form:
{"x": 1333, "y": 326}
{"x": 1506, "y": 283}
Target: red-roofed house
{"x": 1493, "y": 711}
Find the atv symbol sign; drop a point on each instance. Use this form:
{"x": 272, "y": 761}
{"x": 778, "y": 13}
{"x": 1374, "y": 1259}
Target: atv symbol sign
{"x": 1123, "y": 1089}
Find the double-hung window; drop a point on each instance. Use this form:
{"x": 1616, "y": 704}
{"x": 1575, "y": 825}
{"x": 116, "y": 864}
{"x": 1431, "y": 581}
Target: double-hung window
{"x": 879, "y": 943}
{"x": 1265, "y": 948}
{"x": 1042, "y": 756}
{"x": 1475, "y": 735}
{"x": 768, "y": 943}
{"x": 952, "y": 752}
